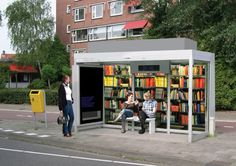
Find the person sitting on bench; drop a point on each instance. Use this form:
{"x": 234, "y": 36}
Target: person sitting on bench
{"x": 128, "y": 110}
{"x": 148, "y": 110}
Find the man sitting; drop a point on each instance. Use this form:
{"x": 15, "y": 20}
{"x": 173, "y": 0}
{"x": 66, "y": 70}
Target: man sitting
{"x": 148, "y": 110}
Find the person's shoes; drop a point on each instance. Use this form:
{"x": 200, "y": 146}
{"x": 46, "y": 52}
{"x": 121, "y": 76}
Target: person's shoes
{"x": 66, "y": 135}
{"x": 142, "y": 131}
{"x": 123, "y": 131}
{"x": 70, "y": 135}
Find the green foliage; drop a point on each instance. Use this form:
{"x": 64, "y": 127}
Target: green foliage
{"x": 57, "y": 56}
{"x": 4, "y": 74}
{"x": 56, "y": 85}
{"x": 212, "y": 24}
{"x": 14, "y": 96}
{"x": 0, "y": 18}
{"x": 225, "y": 87}
{"x": 48, "y": 74}
{"x": 21, "y": 96}
{"x": 29, "y": 23}
{"x": 37, "y": 84}
{"x": 66, "y": 71}
{"x": 51, "y": 97}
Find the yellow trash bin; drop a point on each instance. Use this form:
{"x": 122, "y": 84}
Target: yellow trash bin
{"x": 37, "y": 100}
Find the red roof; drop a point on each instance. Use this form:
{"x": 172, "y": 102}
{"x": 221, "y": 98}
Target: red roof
{"x": 136, "y": 24}
{"x": 22, "y": 69}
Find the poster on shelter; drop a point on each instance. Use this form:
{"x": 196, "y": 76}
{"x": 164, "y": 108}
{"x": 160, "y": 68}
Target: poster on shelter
{"x": 91, "y": 94}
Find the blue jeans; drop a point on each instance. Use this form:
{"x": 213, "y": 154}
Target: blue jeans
{"x": 68, "y": 113}
{"x": 127, "y": 113}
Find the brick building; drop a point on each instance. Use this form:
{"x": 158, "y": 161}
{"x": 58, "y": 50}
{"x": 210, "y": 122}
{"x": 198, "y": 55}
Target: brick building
{"x": 81, "y": 21}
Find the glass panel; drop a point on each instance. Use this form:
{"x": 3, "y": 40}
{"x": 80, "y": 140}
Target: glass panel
{"x": 135, "y": 32}
{"x": 116, "y": 31}
{"x": 82, "y": 35}
{"x": 97, "y": 33}
{"x": 116, "y": 8}
{"x": 81, "y": 14}
{"x": 97, "y": 11}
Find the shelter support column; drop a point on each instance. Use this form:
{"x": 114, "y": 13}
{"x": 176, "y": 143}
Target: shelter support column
{"x": 168, "y": 103}
{"x": 76, "y": 95}
{"x": 211, "y": 94}
{"x": 190, "y": 99}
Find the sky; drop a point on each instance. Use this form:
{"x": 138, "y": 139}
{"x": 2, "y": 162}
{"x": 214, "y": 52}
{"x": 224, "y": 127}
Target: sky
{"x": 5, "y": 43}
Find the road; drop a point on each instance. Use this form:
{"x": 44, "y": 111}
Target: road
{"x": 16, "y": 153}
{"x": 26, "y": 115}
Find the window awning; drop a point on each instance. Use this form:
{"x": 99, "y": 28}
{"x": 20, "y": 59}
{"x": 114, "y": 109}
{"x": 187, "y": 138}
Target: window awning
{"x": 136, "y": 24}
{"x": 133, "y": 3}
{"x": 22, "y": 69}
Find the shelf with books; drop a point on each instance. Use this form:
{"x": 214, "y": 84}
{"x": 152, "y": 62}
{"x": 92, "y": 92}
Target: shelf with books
{"x": 117, "y": 82}
{"x": 156, "y": 84}
{"x": 180, "y": 93}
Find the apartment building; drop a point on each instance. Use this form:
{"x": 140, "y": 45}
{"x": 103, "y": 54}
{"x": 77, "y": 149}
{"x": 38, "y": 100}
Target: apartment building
{"x": 81, "y": 21}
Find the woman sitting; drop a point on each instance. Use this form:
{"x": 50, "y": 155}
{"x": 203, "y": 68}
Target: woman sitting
{"x": 129, "y": 108}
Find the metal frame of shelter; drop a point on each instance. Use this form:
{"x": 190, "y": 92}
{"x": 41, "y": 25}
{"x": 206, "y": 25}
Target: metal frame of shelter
{"x": 189, "y": 57}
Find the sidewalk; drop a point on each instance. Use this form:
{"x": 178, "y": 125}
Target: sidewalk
{"x": 159, "y": 148}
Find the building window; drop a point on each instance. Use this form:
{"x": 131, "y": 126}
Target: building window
{"x": 98, "y": 33}
{"x": 80, "y": 35}
{"x": 97, "y": 11}
{"x": 79, "y": 14}
{"x": 135, "y": 32}
{"x": 68, "y": 48}
{"x": 136, "y": 9}
{"x": 116, "y": 8}
{"x": 116, "y": 31}
{"x": 25, "y": 78}
{"x": 68, "y": 9}
{"x": 68, "y": 29}
{"x": 80, "y": 50}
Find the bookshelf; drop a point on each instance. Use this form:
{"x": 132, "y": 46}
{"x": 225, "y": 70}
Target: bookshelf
{"x": 156, "y": 84}
{"x": 179, "y": 97}
{"x": 117, "y": 81}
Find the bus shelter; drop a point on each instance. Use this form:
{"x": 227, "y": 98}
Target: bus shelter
{"x": 190, "y": 102}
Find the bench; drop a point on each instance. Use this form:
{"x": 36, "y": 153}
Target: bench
{"x": 151, "y": 121}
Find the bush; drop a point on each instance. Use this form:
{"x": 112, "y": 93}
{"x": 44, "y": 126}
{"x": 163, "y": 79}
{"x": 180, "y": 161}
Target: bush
{"x": 37, "y": 84}
{"x": 21, "y": 96}
{"x": 55, "y": 85}
{"x": 51, "y": 97}
{"x": 14, "y": 96}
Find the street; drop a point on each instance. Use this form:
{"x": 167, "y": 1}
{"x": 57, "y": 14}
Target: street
{"x": 16, "y": 153}
{"x": 17, "y": 124}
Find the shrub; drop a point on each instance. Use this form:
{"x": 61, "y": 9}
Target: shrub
{"x": 21, "y": 96}
{"x": 37, "y": 84}
{"x": 14, "y": 96}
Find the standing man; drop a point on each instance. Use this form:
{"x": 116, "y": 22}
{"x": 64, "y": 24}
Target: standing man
{"x": 148, "y": 110}
{"x": 65, "y": 105}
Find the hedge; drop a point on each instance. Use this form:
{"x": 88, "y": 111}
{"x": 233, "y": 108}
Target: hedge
{"x": 21, "y": 96}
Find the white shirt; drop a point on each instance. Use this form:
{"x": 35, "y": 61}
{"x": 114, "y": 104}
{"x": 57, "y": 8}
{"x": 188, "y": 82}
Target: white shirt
{"x": 68, "y": 92}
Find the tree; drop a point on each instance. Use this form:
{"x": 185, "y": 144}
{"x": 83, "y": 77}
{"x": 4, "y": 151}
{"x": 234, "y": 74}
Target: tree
{"x": 30, "y": 23}
{"x": 0, "y": 18}
{"x": 56, "y": 55}
{"x": 212, "y": 24}
{"x": 66, "y": 71}
{"x": 4, "y": 74}
{"x": 49, "y": 74}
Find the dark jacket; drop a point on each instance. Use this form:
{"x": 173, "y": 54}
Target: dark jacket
{"x": 132, "y": 106}
{"x": 62, "y": 97}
